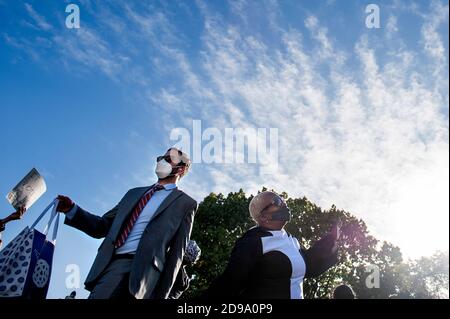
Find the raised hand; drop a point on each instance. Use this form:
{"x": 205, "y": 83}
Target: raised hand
{"x": 18, "y": 214}
{"x": 65, "y": 204}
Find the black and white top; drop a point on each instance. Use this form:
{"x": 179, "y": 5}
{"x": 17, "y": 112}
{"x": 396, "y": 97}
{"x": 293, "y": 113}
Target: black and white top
{"x": 267, "y": 264}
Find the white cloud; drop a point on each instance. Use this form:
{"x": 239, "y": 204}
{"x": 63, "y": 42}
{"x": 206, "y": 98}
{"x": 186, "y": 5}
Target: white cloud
{"x": 391, "y": 26}
{"x": 38, "y": 19}
{"x": 88, "y": 48}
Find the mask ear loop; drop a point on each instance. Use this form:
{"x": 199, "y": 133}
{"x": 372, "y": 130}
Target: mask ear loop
{"x": 271, "y": 203}
{"x": 178, "y": 166}
{"x": 262, "y": 210}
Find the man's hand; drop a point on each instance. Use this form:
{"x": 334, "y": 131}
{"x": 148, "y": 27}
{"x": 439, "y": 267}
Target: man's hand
{"x": 65, "y": 204}
{"x": 14, "y": 216}
{"x": 18, "y": 214}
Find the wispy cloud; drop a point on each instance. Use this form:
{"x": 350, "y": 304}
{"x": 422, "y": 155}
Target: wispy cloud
{"x": 391, "y": 26}
{"x": 37, "y": 18}
{"x": 87, "y": 48}
{"x": 431, "y": 39}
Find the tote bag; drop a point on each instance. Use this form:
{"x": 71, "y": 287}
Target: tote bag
{"x": 26, "y": 262}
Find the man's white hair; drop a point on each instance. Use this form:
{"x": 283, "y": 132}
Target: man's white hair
{"x": 259, "y": 203}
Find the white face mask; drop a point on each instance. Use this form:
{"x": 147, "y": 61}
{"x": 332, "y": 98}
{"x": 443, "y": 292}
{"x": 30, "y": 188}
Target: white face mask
{"x": 163, "y": 169}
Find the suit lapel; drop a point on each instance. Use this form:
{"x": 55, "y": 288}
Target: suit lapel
{"x": 134, "y": 199}
{"x": 167, "y": 201}
{"x": 132, "y": 202}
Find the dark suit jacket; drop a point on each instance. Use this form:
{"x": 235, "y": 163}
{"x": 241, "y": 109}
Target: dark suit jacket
{"x": 249, "y": 275}
{"x": 160, "y": 251}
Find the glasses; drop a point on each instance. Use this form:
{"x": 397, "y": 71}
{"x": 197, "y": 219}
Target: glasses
{"x": 168, "y": 159}
{"x": 277, "y": 201}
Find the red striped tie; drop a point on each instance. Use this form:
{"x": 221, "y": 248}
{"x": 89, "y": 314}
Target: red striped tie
{"x": 134, "y": 216}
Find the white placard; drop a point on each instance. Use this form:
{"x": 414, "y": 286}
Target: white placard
{"x": 27, "y": 191}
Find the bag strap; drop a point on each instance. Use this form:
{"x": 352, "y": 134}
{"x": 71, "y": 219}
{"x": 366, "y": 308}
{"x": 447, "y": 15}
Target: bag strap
{"x": 42, "y": 214}
{"x": 53, "y": 214}
{"x": 55, "y": 228}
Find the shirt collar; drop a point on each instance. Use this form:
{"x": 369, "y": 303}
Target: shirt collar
{"x": 171, "y": 186}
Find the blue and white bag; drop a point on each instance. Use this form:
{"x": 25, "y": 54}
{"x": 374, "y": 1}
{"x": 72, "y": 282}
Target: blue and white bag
{"x": 26, "y": 262}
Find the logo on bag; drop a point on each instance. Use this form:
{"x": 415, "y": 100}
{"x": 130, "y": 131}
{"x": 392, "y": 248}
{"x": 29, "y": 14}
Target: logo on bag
{"x": 41, "y": 273}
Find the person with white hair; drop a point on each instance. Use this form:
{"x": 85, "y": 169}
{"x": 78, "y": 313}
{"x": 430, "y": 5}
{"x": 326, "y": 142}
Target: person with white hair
{"x": 269, "y": 263}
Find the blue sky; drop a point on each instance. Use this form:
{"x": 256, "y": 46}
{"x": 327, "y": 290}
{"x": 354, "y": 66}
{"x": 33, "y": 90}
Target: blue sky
{"x": 362, "y": 113}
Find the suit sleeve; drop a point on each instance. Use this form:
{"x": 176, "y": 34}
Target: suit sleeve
{"x": 93, "y": 225}
{"x": 175, "y": 255}
{"x": 319, "y": 258}
{"x": 233, "y": 281}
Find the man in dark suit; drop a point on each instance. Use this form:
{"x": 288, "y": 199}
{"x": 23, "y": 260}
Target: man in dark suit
{"x": 145, "y": 235}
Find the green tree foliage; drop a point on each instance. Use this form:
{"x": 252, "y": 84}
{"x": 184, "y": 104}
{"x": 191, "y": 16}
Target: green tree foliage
{"x": 221, "y": 220}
